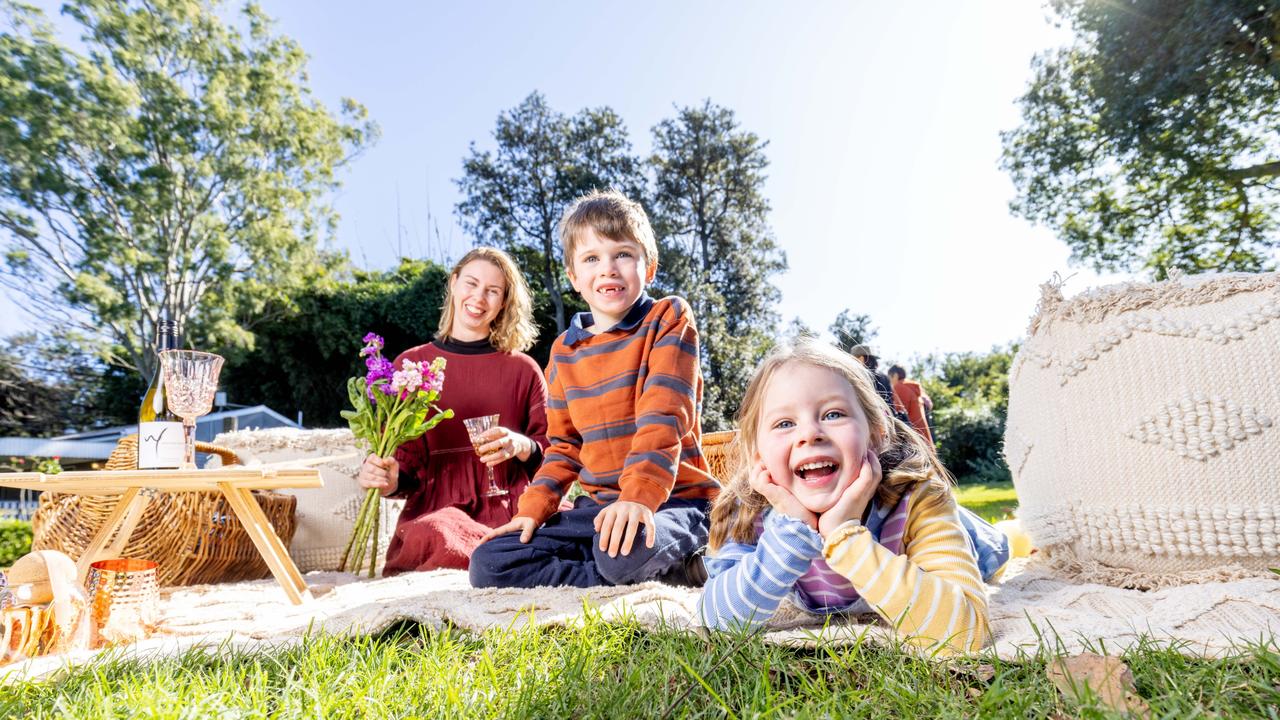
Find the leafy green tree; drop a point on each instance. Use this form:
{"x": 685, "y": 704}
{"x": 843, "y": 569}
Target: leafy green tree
{"x": 514, "y": 195}
{"x": 716, "y": 246}
{"x": 180, "y": 167}
{"x": 970, "y": 393}
{"x": 302, "y": 359}
{"x": 29, "y": 406}
{"x": 51, "y": 385}
{"x": 1153, "y": 141}
{"x": 797, "y": 329}
{"x": 850, "y": 330}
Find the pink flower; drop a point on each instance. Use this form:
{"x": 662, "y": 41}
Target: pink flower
{"x": 408, "y": 379}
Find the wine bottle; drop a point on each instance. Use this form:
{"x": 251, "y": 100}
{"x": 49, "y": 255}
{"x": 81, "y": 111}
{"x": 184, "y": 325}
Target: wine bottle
{"x": 160, "y": 441}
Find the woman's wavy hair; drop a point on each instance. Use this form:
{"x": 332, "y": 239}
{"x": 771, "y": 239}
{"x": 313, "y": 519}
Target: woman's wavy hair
{"x": 513, "y": 328}
{"x": 907, "y": 461}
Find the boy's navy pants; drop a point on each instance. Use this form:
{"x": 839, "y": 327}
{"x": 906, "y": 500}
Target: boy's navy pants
{"x": 566, "y": 549}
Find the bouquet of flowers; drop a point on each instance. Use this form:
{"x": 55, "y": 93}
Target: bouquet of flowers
{"x": 391, "y": 407}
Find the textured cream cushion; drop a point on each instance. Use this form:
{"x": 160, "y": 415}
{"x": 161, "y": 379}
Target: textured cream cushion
{"x": 1142, "y": 431}
{"x": 325, "y": 515}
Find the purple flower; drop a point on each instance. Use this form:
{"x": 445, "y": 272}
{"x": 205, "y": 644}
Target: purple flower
{"x": 380, "y": 368}
{"x": 373, "y": 345}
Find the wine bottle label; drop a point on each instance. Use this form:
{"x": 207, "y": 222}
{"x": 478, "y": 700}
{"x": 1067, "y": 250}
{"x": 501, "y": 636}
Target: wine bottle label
{"x": 160, "y": 445}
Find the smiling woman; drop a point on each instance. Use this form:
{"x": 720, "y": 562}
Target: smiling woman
{"x": 455, "y": 486}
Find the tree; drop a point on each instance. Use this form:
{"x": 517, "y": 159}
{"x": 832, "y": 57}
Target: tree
{"x": 797, "y": 329}
{"x": 716, "y": 245}
{"x": 50, "y": 386}
{"x": 970, "y": 393}
{"x": 28, "y": 407}
{"x": 1153, "y": 142}
{"x": 180, "y": 168}
{"x": 514, "y": 195}
{"x": 325, "y": 327}
{"x": 849, "y": 330}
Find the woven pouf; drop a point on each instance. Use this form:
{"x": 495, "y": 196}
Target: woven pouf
{"x": 1143, "y": 429}
{"x": 325, "y": 515}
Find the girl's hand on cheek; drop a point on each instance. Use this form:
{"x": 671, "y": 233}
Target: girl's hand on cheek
{"x": 853, "y": 501}
{"x": 779, "y": 497}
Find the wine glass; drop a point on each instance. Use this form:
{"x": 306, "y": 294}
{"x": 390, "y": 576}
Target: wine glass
{"x": 476, "y": 428}
{"x": 190, "y": 381}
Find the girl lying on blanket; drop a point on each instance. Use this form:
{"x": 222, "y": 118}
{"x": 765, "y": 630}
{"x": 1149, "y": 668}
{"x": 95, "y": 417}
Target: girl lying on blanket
{"x": 845, "y": 509}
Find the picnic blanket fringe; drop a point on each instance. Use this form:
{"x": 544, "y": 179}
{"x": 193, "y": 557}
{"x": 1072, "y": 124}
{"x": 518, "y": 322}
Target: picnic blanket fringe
{"x": 1061, "y": 562}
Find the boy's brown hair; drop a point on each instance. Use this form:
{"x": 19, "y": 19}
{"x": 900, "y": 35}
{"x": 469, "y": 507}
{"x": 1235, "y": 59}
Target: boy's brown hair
{"x": 611, "y": 214}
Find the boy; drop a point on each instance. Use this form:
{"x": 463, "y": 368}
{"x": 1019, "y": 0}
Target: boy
{"x": 623, "y": 412}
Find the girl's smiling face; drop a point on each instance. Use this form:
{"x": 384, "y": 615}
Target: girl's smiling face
{"x": 813, "y": 434}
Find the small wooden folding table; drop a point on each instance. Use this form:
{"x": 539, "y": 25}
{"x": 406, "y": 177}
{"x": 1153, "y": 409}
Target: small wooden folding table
{"x": 235, "y": 483}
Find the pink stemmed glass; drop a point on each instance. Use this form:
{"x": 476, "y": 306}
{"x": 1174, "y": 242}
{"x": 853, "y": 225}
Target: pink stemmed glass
{"x": 190, "y": 382}
{"x": 476, "y": 428}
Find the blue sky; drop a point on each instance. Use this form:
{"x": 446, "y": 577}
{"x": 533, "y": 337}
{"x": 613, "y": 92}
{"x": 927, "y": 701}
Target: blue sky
{"x": 883, "y": 124}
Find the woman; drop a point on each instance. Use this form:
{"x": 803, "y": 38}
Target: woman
{"x": 485, "y": 324}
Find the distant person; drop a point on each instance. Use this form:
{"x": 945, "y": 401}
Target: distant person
{"x": 912, "y": 400}
{"x": 884, "y": 388}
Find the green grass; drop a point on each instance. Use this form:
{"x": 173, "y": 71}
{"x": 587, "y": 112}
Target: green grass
{"x": 613, "y": 670}
{"x": 619, "y": 669}
{"x": 993, "y": 501}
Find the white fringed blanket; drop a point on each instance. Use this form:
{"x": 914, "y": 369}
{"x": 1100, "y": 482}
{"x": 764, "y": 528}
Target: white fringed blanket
{"x": 1028, "y": 609}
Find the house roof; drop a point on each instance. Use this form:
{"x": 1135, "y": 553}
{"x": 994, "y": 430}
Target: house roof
{"x": 68, "y": 450}
{"x": 98, "y": 444}
{"x": 217, "y": 418}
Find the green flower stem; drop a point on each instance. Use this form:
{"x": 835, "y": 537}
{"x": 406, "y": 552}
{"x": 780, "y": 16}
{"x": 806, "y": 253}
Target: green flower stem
{"x": 373, "y": 557}
{"x": 361, "y": 520}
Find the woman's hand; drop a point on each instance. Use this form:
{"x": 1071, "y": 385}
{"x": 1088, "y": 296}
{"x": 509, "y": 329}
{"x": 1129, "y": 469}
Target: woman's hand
{"x": 502, "y": 444}
{"x": 779, "y": 497}
{"x": 523, "y": 525}
{"x": 853, "y": 501}
{"x": 381, "y": 474}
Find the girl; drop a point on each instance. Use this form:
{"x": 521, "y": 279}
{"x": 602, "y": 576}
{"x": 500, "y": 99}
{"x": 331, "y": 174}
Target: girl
{"x": 485, "y": 324}
{"x": 844, "y": 509}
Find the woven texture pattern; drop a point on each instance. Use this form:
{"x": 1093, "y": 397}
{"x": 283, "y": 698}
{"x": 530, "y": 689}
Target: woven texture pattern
{"x": 195, "y": 537}
{"x": 1142, "y": 430}
{"x": 324, "y": 515}
{"x": 1030, "y": 612}
{"x": 718, "y": 449}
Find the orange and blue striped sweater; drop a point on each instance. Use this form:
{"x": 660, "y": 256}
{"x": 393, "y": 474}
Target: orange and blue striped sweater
{"x": 623, "y": 412}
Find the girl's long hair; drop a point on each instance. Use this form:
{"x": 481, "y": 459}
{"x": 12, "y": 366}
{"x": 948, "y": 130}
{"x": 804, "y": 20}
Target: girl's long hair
{"x": 513, "y": 329}
{"x": 907, "y": 461}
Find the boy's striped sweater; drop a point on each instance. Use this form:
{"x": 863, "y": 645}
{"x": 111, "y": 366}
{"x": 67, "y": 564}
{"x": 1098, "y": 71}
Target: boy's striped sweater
{"x": 933, "y": 593}
{"x": 623, "y": 412}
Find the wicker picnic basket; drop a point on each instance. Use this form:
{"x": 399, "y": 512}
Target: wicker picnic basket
{"x": 717, "y": 450}
{"x": 195, "y": 537}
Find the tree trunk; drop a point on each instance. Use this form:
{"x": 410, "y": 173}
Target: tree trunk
{"x": 551, "y": 281}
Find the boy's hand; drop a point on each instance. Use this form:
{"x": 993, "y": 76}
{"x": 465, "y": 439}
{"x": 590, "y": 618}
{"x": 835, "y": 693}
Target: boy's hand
{"x": 779, "y": 497}
{"x": 619, "y": 523}
{"x": 523, "y": 525}
{"x": 381, "y": 474}
{"x": 853, "y": 501}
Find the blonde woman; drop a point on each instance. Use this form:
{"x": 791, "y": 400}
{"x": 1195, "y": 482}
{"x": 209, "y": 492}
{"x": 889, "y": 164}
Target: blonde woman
{"x": 485, "y": 326}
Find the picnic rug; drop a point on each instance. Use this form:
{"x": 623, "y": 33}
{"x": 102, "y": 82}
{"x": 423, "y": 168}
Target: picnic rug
{"x": 1031, "y": 610}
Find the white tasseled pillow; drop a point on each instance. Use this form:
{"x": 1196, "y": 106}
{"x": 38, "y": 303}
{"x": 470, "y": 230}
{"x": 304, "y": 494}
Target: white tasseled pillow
{"x": 1142, "y": 430}
{"x": 324, "y": 515}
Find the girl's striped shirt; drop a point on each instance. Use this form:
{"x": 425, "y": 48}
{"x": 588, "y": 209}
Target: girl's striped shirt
{"x": 926, "y": 581}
